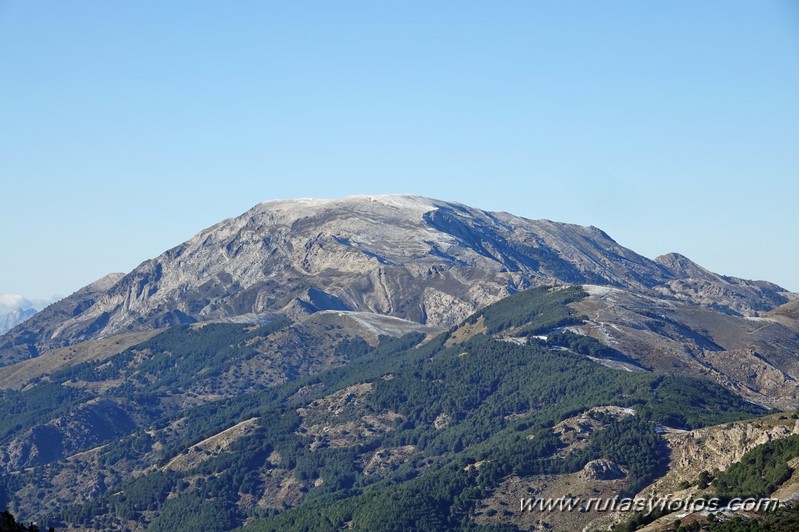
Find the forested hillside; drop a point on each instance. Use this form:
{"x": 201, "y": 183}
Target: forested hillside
{"x": 411, "y": 433}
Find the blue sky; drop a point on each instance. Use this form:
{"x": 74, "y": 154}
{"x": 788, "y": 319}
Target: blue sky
{"x": 127, "y": 127}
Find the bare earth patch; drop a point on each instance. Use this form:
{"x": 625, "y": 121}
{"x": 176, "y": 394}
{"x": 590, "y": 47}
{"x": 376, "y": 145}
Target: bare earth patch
{"x": 384, "y": 461}
{"x": 466, "y": 331}
{"x": 210, "y": 447}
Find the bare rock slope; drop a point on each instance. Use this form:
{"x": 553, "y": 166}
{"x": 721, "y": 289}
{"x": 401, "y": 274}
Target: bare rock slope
{"x": 419, "y": 259}
{"x": 754, "y": 356}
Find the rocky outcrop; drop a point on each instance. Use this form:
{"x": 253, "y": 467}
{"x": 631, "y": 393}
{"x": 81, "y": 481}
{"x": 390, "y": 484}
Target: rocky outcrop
{"x": 602, "y": 470}
{"x": 708, "y": 449}
{"x": 718, "y": 447}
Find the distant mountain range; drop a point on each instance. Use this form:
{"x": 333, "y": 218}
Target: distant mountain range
{"x": 15, "y": 317}
{"x": 14, "y": 309}
{"x": 395, "y": 362}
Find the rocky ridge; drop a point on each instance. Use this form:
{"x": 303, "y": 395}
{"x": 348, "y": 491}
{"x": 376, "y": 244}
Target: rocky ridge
{"x": 419, "y": 259}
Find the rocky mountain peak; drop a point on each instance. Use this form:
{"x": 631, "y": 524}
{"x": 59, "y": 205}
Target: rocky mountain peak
{"x": 410, "y": 257}
{"x": 682, "y": 266}
{"x": 696, "y": 284}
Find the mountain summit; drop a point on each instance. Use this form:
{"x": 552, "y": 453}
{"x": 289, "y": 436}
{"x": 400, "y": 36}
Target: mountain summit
{"x": 416, "y": 258}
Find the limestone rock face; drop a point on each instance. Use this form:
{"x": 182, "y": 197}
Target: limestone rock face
{"x": 415, "y": 258}
{"x": 717, "y": 448}
{"x": 602, "y": 470}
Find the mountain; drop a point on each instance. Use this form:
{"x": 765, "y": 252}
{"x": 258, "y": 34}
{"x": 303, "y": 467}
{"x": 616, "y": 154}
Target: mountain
{"x": 14, "y": 309}
{"x": 414, "y": 258}
{"x": 19, "y": 343}
{"x": 695, "y": 284}
{"x": 15, "y": 317}
{"x": 391, "y": 363}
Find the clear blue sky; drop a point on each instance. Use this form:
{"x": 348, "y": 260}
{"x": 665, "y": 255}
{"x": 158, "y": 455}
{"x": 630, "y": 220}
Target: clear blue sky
{"x": 126, "y": 127}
